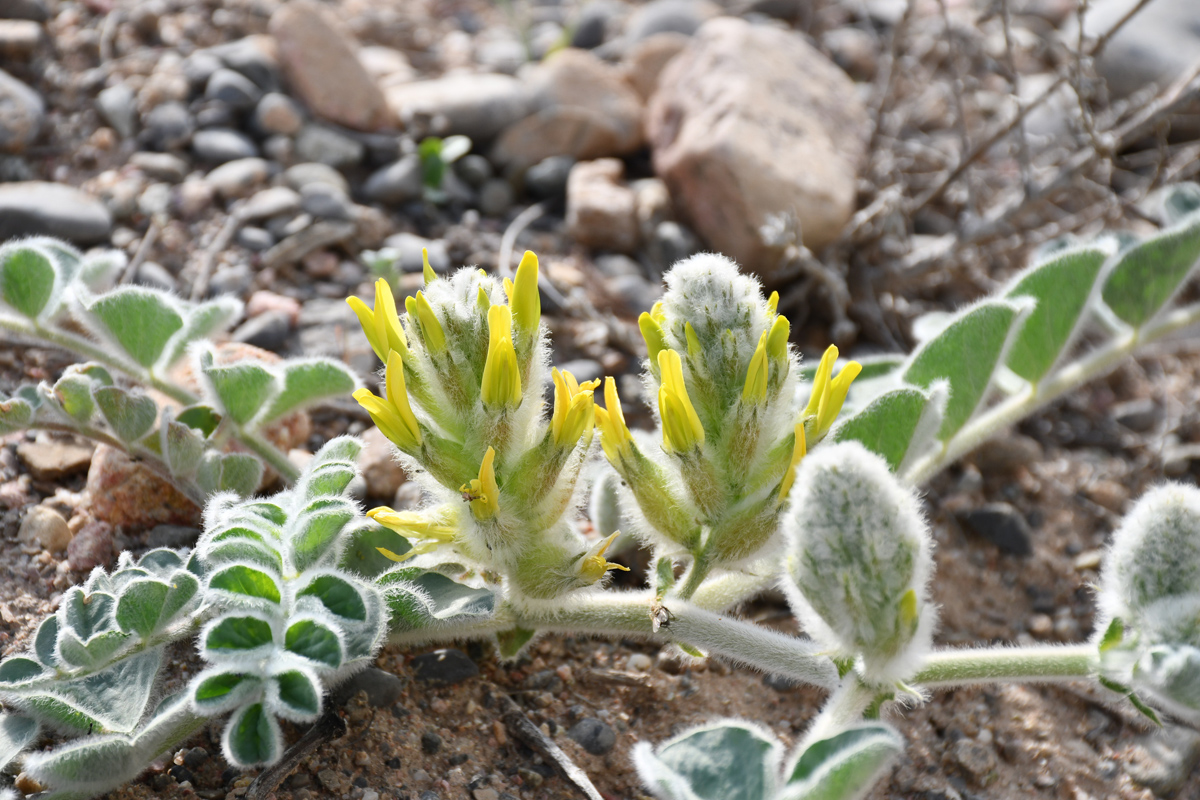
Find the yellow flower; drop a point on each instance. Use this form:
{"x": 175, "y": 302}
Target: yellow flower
{"x": 614, "y": 433}
{"x": 420, "y": 310}
{"x": 657, "y": 312}
{"x": 652, "y": 332}
{"x": 525, "y": 300}
{"x": 430, "y": 275}
{"x": 682, "y": 430}
{"x": 381, "y": 325}
{"x": 412, "y": 524}
{"x": 593, "y": 564}
{"x": 482, "y": 493}
{"x": 755, "y": 390}
{"x": 574, "y": 411}
{"x": 773, "y": 302}
{"x": 777, "y": 339}
{"x": 501, "y": 376}
{"x": 798, "y": 451}
{"x": 394, "y": 416}
{"x": 828, "y": 394}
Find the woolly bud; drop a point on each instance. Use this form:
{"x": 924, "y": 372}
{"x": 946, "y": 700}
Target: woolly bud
{"x": 1155, "y": 554}
{"x": 859, "y": 556}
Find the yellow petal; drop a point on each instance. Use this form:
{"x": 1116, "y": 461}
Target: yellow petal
{"x": 657, "y": 312}
{"x": 430, "y": 275}
{"x": 682, "y": 430}
{"x": 385, "y": 417}
{"x": 593, "y": 564}
{"x": 526, "y": 302}
{"x": 366, "y": 318}
{"x": 831, "y": 404}
{"x": 798, "y": 453}
{"x": 501, "y": 385}
{"x": 777, "y": 339}
{"x": 397, "y": 396}
{"x": 820, "y": 387}
{"x": 387, "y": 320}
{"x": 773, "y": 302}
{"x": 431, "y": 328}
{"x": 652, "y": 332}
{"x": 615, "y": 438}
{"x": 485, "y": 494}
{"x": 755, "y": 389}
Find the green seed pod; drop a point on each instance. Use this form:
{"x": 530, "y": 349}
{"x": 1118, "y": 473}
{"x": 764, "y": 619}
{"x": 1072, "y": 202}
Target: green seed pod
{"x": 859, "y": 556}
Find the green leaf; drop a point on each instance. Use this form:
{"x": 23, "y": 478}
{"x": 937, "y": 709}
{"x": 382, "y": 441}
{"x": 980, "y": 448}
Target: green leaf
{"x": 307, "y": 382}
{"x": 1113, "y": 635}
{"x": 16, "y": 733}
{"x": 966, "y": 353}
{"x": 337, "y": 595}
{"x": 162, "y": 560}
{"x": 235, "y": 634}
{"x": 201, "y": 418}
{"x": 18, "y": 669}
{"x": 314, "y": 641}
{"x": 240, "y": 550}
{"x": 241, "y": 473}
{"x": 242, "y": 388}
{"x": 95, "y": 652}
{"x": 1180, "y": 201}
{"x": 202, "y": 322}
{"x": 87, "y": 614}
{"x": 131, "y": 416}
{"x": 217, "y": 692}
{"x": 420, "y": 597}
{"x": 245, "y": 581}
{"x": 140, "y": 320}
{"x": 328, "y": 480}
{"x": 362, "y": 556}
{"x": 45, "y": 641}
{"x": 74, "y": 393}
{"x": 138, "y": 606}
{"x": 664, "y": 576}
{"x": 26, "y": 279}
{"x": 513, "y": 640}
{"x": 1061, "y": 286}
{"x": 299, "y": 698}
{"x": 343, "y": 449}
{"x": 15, "y": 414}
{"x": 844, "y": 766}
{"x": 316, "y": 533}
{"x": 723, "y": 762}
{"x": 182, "y": 448}
{"x": 1148, "y": 275}
{"x": 252, "y": 737}
{"x": 887, "y": 424}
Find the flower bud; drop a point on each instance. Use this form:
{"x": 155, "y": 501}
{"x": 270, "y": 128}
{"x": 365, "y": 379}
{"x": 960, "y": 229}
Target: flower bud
{"x": 432, "y": 333}
{"x": 682, "y": 431}
{"x": 501, "y": 375}
{"x": 574, "y": 411}
{"x": 525, "y": 300}
{"x": 615, "y": 438}
{"x": 381, "y": 325}
{"x": 828, "y": 393}
{"x": 858, "y": 560}
{"x": 393, "y": 415}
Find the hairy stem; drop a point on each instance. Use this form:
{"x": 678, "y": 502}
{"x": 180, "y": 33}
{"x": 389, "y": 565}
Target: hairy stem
{"x": 1099, "y": 362}
{"x": 845, "y": 707}
{"x": 949, "y": 668}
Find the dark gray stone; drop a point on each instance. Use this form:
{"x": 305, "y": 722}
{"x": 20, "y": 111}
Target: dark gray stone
{"x": 24, "y": 9}
{"x": 31, "y": 208}
{"x": 473, "y": 169}
{"x": 269, "y": 330}
{"x": 232, "y": 88}
{"x": 430, "y": 742}
{"x": 634, "y": 292}
{"x": 250, "y": 59}
{"x": 160, "y": 166}
{"x": 278, "y": 113}
{"x": 172, "y": 536}
{"x": 168, "y": 126}
{"x": 325, "y": 202}
{"x": 383, "y": 688}
{"x": 21, "y": 113}
{"x": 665, "y": 16}
{"x": 1141, "y": 415}
{"x": 118, "y": 105}
{"x": 616, "y": 264}
{"x": 1003, "y": 526}
{"x": 547, "y": 179}
{"x": 496, "y": 198}
{"x": 327, "y": 146}
{"x": 594, "y": 735}
{"x": 400, "y": 182}
{"x": 300, "y": 175}
{"x": 215, "y": 114}
{"x": 233, "y": 279}
{"x": 591, "y": 28}
{"x": 199, "y": 67}
{"x": 1163, "y": 760}
{"x": 221, "y": 145}
{"x": 444, "y": 667}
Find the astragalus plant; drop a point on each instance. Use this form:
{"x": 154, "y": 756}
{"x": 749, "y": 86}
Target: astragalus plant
{"x": 759, "y": 474}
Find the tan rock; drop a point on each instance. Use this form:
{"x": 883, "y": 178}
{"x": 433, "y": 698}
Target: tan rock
{"x": 322, "y": 64}
{"x": 478, "y": 106}
{"x": 386, "y": 66}
{"x": 19, "y": 38}
{"x": 380, "y": 470}
{"x": 44, "y": 527}
{"x": 53, "y": 459}
{"x": 750, "y": 122}
{"x": 601, "y": 212}
{"x": 649, "y": 57}
{"x": 583, "y": 108}
{"x": 128, "y": 494}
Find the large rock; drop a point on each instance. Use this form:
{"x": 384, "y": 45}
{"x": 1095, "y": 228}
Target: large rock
{"x": 478, "y": 106}
{"x": 21, "y": 114}
{"x": 128, "y": 494}
{"x": 750, "y": 122}
{"x": 323, "y": 67}
{"x": 30, "y": 208}
{"x": 582, "y": 108}
{"x": 1156, "y": 46}
{"x": 601, "y": 211}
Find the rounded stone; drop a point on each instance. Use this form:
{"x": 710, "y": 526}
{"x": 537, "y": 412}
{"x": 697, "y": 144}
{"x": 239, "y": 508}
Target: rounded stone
{"x": 594, "y": 735}
{"x": 44, "y": 527}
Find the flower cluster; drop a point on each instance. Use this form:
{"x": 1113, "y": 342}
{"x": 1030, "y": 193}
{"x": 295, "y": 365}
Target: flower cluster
{"x": 463, "y": 403}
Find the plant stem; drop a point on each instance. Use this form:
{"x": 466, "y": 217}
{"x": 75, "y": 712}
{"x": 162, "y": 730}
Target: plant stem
{"x": 1070, "y": 377}
{"x": 844, "y": 708}
{"x": 695, "y": 577}
{"x": 949, "y": 668}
